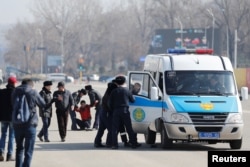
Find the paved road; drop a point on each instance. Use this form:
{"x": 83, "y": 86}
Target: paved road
{"x": 78, "y": 149}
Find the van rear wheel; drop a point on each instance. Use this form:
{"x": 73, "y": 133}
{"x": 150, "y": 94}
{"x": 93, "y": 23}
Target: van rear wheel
{"x": 150, "y": 137}
{"x": 165, "y": 141}
{"x": 235, "y": 144}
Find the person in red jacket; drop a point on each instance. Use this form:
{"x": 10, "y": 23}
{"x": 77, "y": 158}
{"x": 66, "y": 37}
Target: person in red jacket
{"x": 84, "y": 111}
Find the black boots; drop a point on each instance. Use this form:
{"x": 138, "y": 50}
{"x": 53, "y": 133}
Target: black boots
{"x": 10, "y": 158}
{"x": 1, "y": 157}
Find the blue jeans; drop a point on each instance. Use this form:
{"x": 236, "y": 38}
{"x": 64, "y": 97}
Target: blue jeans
{"x": 25, "y": 141}
{"x": 44, "y": 130}
{"x": 73, "y": 119}
{"x": 4, "y": 128}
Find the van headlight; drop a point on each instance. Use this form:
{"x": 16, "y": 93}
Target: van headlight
{"x": 179, "y": 118}
{"x": 236, "y": 118}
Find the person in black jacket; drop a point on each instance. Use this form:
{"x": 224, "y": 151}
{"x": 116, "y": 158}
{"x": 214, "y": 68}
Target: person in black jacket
{"x": 95, "y": 100}
{"x": 77, "y": 98}
{"x": 5, "y": 119}
{"x": 45, "y": 113}
{"x": 64, "y": 102}
{"x": 119, "y": 104}
{"x": 106, "y": 117}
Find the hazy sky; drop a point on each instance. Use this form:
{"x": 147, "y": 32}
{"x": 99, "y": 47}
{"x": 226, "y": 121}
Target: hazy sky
{"x": 12, "y": 11}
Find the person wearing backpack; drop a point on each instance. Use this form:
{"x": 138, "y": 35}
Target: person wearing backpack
{"x": 25, "y": 120}
{"x": 64, "y": 103}
{"x": 5, "y": 119}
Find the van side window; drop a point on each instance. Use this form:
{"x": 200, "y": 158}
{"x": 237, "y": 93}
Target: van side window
{"x": 139, "y": 84}
{"x": 161, "y": 81}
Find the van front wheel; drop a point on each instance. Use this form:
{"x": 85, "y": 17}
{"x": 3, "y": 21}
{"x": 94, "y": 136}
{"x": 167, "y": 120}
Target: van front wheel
{"x": 165, "y": 141}
{"x": 235, "y": 144}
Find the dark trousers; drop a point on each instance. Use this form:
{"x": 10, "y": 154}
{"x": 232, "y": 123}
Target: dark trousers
{"x": 97, "y": 118}
{"x": 122, "y": 115}
{"x": 73, "y": 119}
{"x": 83, "y": 124}
{"x": 121, "y": 130}
{"x": 62, "y": 121}
{"x": 44, "y": 130}
{"x": 103, "y": 125}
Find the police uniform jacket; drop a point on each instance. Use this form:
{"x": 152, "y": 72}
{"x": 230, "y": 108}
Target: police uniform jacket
{"x": 120, "y": 98}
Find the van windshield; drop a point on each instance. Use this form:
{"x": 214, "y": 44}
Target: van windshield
{"x": 200, "y": 83}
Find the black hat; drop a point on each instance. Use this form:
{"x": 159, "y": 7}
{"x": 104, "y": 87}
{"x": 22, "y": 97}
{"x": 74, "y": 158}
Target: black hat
{"x": 61, "y": 84}
{"x": 88, "y": 87}
{"x": 120, "y": 80}
{"x": 47, "y": 83}
{"x": 83, "y": 91}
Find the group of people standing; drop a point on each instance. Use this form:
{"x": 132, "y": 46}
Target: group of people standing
{"x": 115, "y": 116}
{"x": 111, "y": 113}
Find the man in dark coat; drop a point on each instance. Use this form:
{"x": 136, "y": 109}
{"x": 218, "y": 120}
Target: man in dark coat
{"x": 77, "y": 98}
{"x": 45, "y": 113}
{"x": 95, "y": 100}
{"x": 64, "y": 102}
{"x": 5, "y": 119}
{"x": 119, "y": 104}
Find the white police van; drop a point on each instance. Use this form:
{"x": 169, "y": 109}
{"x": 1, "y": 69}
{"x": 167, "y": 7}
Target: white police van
{"x": 178, "y": 99}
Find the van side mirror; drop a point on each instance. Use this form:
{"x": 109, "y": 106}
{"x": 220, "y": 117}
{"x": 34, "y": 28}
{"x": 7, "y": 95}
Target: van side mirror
{"x": 154, "y": 93}
{"x": 244, "y": 93}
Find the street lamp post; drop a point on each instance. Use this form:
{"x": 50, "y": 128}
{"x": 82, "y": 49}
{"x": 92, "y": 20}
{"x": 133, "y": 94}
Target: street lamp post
{"x": 179, "y": 21}
{"x": 62, "y": 46}
{"x": 62, "y": 51}
{"x": 41, "y": 35}
{"x": 212, "y": 14}
{"x": 235, "y": 48}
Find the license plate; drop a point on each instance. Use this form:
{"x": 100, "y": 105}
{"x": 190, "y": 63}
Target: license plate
{"x": 209, "y": 135}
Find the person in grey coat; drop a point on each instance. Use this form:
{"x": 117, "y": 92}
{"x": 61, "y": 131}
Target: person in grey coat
{"x": 25, "y": 134}
{"x": 64, "y": 103}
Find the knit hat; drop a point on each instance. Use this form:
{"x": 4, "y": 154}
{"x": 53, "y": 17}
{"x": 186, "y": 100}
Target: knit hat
{"x": 61, "y": 84}
{"x": 88, "y": 87}
{"x": 12, "y": 80}
{"x": 120, "y": 80}
{"x": 47, "y": 83}
{"x": 83, "y": 91}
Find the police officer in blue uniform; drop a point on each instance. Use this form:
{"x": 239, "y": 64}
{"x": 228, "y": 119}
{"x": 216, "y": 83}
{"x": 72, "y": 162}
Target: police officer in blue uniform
{"x": 119, "y": 104}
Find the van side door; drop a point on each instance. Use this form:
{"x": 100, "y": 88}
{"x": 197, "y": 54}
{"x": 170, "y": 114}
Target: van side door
{"x": 148, "y": 101}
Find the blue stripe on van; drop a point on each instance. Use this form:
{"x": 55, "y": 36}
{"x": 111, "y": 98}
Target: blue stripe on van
{"x": 146, "y": 102}
{"x": 193, "y": 103}
{"x": 205, "y": 104}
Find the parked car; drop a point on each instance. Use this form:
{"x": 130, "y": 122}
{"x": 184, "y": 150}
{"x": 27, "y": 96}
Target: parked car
{"x": 94, "y": 77}
{"x": 57, "y": 77}
{"x": 104, "y": 78}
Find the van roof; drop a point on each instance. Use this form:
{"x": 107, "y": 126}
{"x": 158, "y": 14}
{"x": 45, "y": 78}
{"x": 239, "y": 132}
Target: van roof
{"x": 187, "y": 62}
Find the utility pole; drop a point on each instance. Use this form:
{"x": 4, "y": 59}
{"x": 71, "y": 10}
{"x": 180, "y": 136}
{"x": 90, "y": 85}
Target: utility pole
{"x": 212, "y": 14}
{"x": 181, "y": 26}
